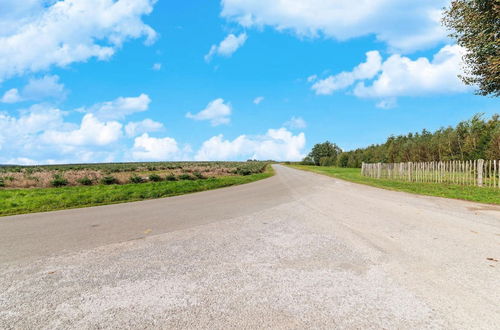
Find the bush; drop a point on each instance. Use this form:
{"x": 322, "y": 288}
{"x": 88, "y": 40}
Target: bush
{"x": 85, "y": 181}
{"x": 154, "y": 178}
{"x": 136, "y": 179}
{"x": 171, "y": 177}
{"x": 109, "y": 180}
{"x": 243, "y": 171}
{"x": 58, "y": 181}
{"x": 186, "y": 176}
{"x": 2, "y": 183}
{"x": 198, "y": 175}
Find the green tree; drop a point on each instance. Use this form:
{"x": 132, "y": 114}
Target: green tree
{"x": 327, "y": 151}
{"x": 475, "y": 24}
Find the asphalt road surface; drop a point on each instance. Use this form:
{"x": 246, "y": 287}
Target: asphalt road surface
{"x": 298, "y": 250}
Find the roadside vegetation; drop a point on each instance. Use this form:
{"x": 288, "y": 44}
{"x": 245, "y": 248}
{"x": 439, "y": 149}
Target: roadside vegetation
{"x": 64, "y": 191}
{"x": 470, "y": 193}
{"x": 476, "y": 138}
{"x": 120, "y": 173}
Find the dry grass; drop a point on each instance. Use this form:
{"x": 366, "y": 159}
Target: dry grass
{"x": 27, "y": 178}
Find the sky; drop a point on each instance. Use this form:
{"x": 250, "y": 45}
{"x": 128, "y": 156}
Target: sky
{"x": 143, "y": 80}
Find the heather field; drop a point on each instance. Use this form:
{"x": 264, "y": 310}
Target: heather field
{"x": 120, "y": 173}
{"x": 48, "y": 188}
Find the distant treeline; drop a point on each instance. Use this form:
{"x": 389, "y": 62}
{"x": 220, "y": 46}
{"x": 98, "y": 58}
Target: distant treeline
{"x": 476, "y": 138}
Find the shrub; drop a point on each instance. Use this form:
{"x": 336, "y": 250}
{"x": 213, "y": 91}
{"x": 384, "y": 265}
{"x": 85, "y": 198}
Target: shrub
{"x": 198, "y": 175}
{"x": 85, "y": 181}
{"x": 171, "y": 177}
{"x": 186, "y": 176}
{"x": 109, "y": 180}
{"x": 243, "y": 171}
{"x": 2, "y": 183}
{"x": 58, "y": 181}
{"x": 136, "y": 179}
{"x": 154, "y": 178}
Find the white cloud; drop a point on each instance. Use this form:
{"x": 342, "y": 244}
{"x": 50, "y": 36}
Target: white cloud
{"x": 11, "y": 96}
{"x": 45, "y": 87}
{"x": 402, "y": 76}
{"x": 365, "y": 70}
{"x": 133, "y": 129}
{"x": 91, "y": 132}
{"x": 41, "y": 135}
{"x": 295, "y": 123}
{"x": 277, "y": 144}
{"x": 42, "y": 34}
{"x": 405, "y": 25}
{"x": 388, "y": 103}
{"x": 37, "y": 89}
{"x": 227, "y": 46}
{"x": 120, "y": 107}
{"x": 312, "y": 78}
{"x": 157, "y": 66}
{"x": 150, "y": 148}
{"x": 217, "y": 112}
{"x": 258, "y": 100}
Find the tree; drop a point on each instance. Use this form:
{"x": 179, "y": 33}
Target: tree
{"x": 327, "y": 151}
{"x": 475, "y": 24}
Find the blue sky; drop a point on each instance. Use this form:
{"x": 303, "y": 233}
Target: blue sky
{"x": 137, "y": 80}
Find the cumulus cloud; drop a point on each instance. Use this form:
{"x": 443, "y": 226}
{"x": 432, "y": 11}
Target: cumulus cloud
{"x": 365, "y": 70}
{"x": 91, "y": 132}
{"x": 136, "y": 128}
{"x": 295, "y": 123}
{"x": 227, "y": 46}
{"x": 258, "y": 100}
{"x": 157, "y": 66}
{"x": 277, "y": 144}
{"x": 151, "y": 148}
{"x": 217, "y": 112}
{"x": 400, "y": 76}
{"x": 37, "y": 89}
{"x": 37, "y": 35}
{"x": 11, "y": 96}
{"x": 120, "y": 107}
{"x": 405, "y": 25}
{"x": 41, "y": 134}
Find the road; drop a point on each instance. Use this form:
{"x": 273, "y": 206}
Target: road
{"x": 298, "y": 250}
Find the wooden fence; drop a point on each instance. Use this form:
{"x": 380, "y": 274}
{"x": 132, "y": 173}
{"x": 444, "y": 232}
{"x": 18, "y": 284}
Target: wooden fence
{"x": 483, "y": 173}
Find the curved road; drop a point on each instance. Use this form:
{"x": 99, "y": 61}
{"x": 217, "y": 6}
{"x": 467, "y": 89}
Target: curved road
{"x": 293, "y": 251}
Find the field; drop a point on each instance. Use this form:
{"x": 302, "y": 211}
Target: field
{"x": 470, "y": 193}
{"x": 120, "y": 173}
{"x": 133, "y": 181}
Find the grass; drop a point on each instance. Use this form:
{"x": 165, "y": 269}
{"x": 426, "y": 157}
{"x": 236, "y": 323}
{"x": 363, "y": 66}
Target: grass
{"x": 470, "y": 193}
{"x": 20, "y": 201}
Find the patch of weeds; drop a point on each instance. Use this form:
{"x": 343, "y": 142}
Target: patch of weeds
{"x": 154, "y": 178}
{"x": 107, "y": 180}
{"x": 198, "y": 175}
{"x": 186, "y": 176}
{"x": 86, "y": 181}
{"x": 136, "y": 179}
{"x": 58, "y": 181}
{"x": 171, "y": 177}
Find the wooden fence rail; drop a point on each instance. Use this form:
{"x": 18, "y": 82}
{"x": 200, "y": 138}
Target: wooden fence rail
{"x": 483, "y": 173}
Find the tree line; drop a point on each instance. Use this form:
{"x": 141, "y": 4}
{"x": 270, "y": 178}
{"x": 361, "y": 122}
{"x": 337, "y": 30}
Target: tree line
{"x": 476, "y": 138}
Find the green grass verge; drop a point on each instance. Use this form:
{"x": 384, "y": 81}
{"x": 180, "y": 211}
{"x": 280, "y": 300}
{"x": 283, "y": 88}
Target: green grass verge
{"x": 19, "y": 201}
{"x": 470, "y": 193}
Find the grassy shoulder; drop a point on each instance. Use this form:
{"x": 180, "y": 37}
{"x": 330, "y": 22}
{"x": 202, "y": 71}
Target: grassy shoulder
{"x": 19, "y": 201}
{"x": 470, "y": 193}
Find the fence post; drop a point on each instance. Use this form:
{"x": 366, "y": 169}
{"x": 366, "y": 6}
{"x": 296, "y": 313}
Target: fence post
{"x": 480, "y": 163}
{"x": 379, "y": 169}
{"x": 363, "y": 168}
